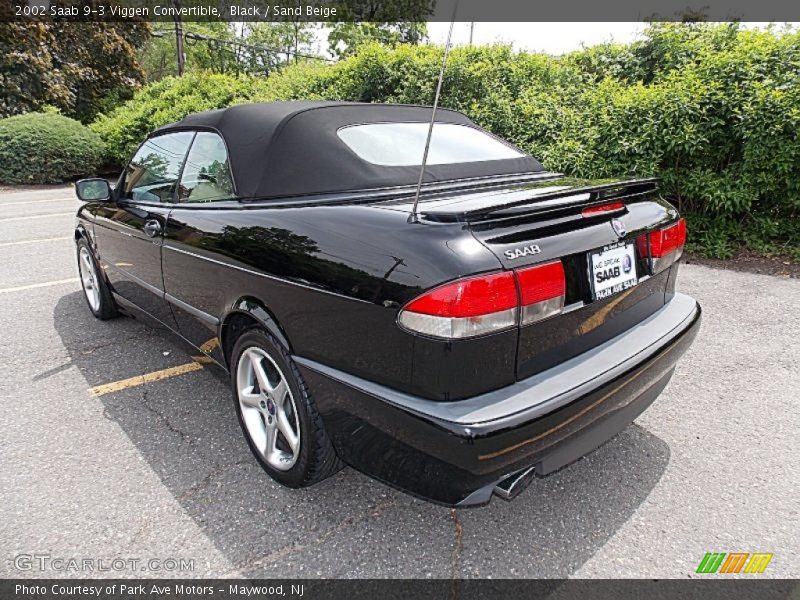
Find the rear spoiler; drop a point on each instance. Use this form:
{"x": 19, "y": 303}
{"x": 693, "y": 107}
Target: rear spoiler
{"x": 514, "y": 203}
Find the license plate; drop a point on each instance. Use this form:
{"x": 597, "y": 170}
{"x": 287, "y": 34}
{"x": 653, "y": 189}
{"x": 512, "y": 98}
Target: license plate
{"x": 612, "y": 270}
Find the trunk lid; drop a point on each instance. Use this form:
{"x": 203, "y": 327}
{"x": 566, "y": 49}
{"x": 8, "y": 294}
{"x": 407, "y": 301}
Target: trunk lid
{"x": 561, "y": 219}
{"x": 569, "y": 220}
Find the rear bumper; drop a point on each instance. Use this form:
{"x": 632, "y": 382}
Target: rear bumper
{"x": 454, "y": 453}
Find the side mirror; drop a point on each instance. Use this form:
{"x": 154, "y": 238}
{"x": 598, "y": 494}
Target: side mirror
{"x": 93, "y": 190}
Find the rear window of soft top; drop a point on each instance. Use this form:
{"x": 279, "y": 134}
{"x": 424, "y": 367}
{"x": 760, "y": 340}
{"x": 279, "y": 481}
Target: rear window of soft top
{"x": 403, "y": 144}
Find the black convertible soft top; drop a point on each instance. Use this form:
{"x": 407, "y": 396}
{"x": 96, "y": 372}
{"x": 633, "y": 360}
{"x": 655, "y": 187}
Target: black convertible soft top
{"x": 292, "y": 148}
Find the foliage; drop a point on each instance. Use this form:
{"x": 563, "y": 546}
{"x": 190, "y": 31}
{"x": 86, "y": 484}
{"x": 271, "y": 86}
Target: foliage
{"x": 714, "y": 110}
{"x": 220, "y": 47}
{"x": 46, "y": 148}
{"x": 375, "y": 21}
{"x": 78, "y": 67}
{"x": 289, "y": 38}
{"x": 345, "y": 38}
{"x": 165, "y": 101}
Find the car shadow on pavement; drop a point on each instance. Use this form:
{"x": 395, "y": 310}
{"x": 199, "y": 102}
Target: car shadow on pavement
{"x": 185, "y": 429}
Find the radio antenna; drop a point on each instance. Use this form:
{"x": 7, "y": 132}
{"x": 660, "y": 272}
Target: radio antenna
{"x": 433, "y": 113}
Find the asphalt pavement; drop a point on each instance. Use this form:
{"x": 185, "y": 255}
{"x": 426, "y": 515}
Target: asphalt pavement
{"x": 160, "y": 471}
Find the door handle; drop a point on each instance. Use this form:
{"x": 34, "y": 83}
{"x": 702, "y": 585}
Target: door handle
{"x": 152, "y": 228}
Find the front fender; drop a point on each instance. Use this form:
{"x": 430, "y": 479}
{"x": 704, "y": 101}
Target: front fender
{"x": 84, "y": 225}
{"x": 82, "y": 231}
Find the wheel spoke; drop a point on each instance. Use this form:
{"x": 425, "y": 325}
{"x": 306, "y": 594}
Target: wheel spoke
{"x": 88, "y": 268}
{"x": 286, "y": 429}
{"x": 278, "y": 393}
{"x": 258, "y": 434}
{"x": 260, "y": 373}
{"x": 250, "y": 398}
{"x": 272, "y": 437}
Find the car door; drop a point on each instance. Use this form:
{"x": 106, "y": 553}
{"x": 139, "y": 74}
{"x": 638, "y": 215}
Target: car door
{"x": 129, "y": 231}
{"x": 196, "y": 279}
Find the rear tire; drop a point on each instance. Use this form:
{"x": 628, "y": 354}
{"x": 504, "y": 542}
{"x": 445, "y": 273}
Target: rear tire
{"x": 95, "y": 289}
{"x": 277, "y": 414}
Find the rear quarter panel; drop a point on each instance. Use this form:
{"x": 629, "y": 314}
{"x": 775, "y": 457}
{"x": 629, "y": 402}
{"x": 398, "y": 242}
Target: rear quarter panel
{"x": 334, "y": 279}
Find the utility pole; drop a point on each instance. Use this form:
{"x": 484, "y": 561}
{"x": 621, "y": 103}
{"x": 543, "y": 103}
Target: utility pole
{"x": 179, "y": 39}
{"x": 471, "y": 31}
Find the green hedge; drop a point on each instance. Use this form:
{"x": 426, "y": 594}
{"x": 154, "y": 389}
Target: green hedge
{"x": 165, "y": 101}
{"x": 46, "y": 148}
{"x": 712, "y": 109}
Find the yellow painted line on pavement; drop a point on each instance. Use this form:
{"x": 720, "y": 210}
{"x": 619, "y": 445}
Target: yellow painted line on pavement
{"x": 116, "y": 386}
{"x": 33, "y": 286}
{"x": 203, "y": 360}
{"x": 21, "y": 242}
{"x": 64, "y": 214}
{"x": 209, "y": 345}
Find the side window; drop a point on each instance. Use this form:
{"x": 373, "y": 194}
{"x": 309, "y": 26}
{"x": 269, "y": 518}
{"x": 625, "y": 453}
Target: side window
{"x": 207, "y": 174}
{"x": 153, "y": 172}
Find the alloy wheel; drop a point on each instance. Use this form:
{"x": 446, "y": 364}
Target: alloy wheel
{"x": 268, "y": 409}
{"x": 89, "y": 278}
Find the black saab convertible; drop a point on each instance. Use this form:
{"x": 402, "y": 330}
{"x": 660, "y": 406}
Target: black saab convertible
{"x": 509, "y": 323}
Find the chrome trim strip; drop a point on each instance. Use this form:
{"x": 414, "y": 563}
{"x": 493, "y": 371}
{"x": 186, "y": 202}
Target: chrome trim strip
{"x": 203, "y": 316}
{"x": 546, "y": 391}
{"x": 141, "y": 282}
{"x": 574, "y": 306}
{"x": 196, "y": 312}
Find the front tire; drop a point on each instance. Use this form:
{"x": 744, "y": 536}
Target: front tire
{"x": 277, "y": 414}
{"x": 95, "y": 289}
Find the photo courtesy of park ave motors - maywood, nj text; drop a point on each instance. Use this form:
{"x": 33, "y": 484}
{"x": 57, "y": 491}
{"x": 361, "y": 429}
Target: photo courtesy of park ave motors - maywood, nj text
{"x": 433, "y": 298}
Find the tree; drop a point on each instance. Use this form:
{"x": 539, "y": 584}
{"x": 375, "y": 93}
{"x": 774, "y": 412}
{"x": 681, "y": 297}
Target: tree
{"x": 288, "y": 38}
{"x": 206, "y": 46}
{"x": 79, "y": 68}
{"x": 226, "y": 48}
{"x": 344, "y": 39}
{"x": 388, "y": 23}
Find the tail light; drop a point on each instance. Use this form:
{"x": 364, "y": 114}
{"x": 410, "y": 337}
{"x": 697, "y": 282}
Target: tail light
{"x": 541, "y": 289}
{"x": 667, "y": 240}
{"x": 487, "y": 303}
{"x": 602, "y": 209}
{"x": 665, "y": 245}
{"x": 465, "y": 308}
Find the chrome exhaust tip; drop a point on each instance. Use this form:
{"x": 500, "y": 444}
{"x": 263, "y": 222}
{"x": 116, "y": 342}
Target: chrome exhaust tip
{"x": 511, "y": 486}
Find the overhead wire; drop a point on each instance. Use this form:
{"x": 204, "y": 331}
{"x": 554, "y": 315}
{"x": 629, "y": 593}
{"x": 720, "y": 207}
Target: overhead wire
{"x": 216, "y": 44}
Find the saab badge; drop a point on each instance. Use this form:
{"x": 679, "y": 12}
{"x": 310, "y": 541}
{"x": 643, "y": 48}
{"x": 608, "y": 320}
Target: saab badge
{"x": 619, "y": 227}
{"x": 524, "y": 251}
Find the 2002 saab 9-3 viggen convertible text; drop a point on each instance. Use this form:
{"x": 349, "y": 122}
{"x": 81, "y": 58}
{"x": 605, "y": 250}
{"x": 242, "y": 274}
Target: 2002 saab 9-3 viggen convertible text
{"x": 512, "y": 322}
